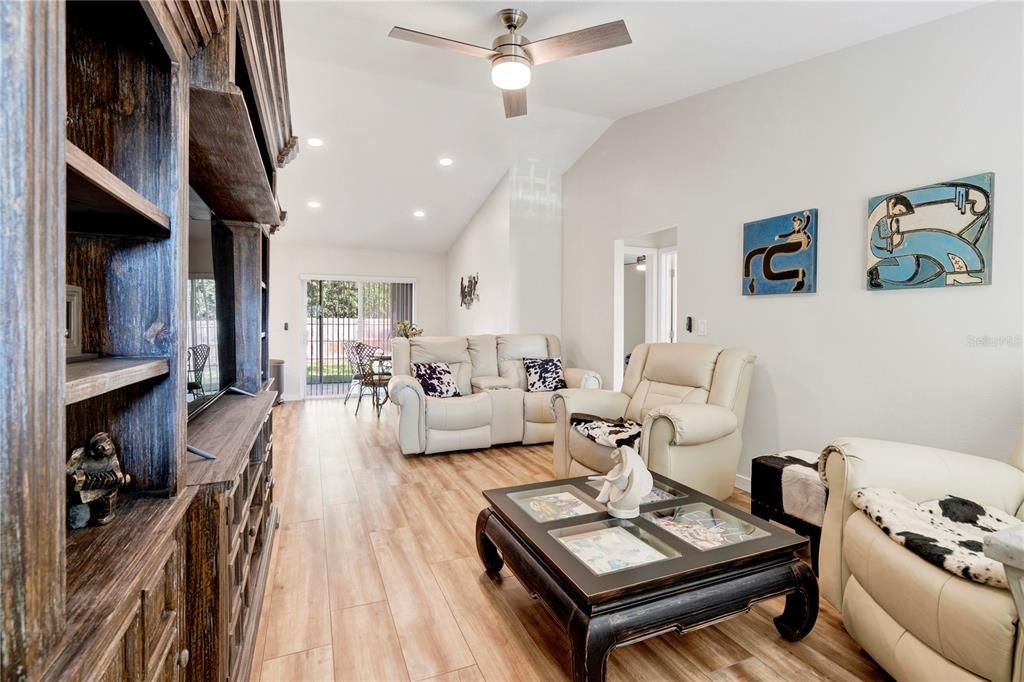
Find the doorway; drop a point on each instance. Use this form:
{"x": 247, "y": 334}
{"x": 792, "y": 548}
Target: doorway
{"x": 345, "y": 310}
{"x": 645, "y": 281}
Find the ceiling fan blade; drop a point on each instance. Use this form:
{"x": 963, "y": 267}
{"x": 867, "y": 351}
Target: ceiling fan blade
{"x": 437, "y": 41}
{"x": 593, "y": 39}
{"x": 515, "y": 102}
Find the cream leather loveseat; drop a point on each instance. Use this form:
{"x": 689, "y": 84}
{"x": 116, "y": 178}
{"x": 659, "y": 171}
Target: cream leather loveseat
{"x": 698, "y": 395}
{"x": 494, "y": 407}
{"x": 918, "y": 621}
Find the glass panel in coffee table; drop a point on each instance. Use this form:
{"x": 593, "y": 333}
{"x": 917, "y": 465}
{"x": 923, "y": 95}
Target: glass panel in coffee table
{"x": 686, "y": 561}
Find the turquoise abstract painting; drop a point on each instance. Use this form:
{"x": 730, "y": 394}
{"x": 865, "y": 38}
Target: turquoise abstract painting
{"x": 780, "y": 254}
{"x": 933, "y": 236}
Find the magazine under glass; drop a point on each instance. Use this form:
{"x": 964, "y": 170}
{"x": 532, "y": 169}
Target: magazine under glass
{"x": 614, "y": 545}
{"x": 555, "y": 503}
{"x": 705, "y": 527}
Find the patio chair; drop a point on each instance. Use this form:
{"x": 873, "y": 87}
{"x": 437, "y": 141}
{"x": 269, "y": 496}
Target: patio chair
{"x": 370, "y": 375}
{"x": 195, "y": 365}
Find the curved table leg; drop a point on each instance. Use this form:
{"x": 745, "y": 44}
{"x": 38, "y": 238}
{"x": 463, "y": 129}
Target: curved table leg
{"x": 590, "y": 642}
{"x": 801, "y": 612}
{"x": 485, "y": 548}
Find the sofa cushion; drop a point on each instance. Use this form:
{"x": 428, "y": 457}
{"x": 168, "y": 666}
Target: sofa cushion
{"x": 451, "y": 350}
{"x": 512, "y": 348}
{"x": 456, "y": 414}
{"x": 651, "y": 394}
{"x": 544, "y": 374}
{"x": 483, "y": 354}
{"x": 436, "y": 379}
{"x": 681, "y": 364}
{"x": 592, "y": 455}
{"x": 972, "y": 625}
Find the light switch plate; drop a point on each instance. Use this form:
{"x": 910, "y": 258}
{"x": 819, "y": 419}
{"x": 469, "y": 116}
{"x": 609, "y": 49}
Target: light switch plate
{"x": 702, "y": 327}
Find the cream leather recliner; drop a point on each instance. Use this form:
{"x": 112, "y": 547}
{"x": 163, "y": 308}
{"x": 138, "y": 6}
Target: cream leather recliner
{"x": 918, "y": 621}
{"x": 705, "y": 389}
{"x": 494, "y": 407}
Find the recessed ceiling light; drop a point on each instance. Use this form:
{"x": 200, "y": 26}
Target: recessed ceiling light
{"x": 315, "y": 142}
{"x": 313, "y": 204}
{"x": 445, "y": 161}
{"x": 419, "y": 214}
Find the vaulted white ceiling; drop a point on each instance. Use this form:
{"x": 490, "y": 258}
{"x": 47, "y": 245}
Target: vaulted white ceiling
{"x": 388, "y": 110}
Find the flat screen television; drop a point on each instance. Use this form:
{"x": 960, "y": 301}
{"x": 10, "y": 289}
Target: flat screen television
{"x": 210, "y": 326}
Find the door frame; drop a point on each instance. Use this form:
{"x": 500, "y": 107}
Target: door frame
{"x": 305, "y": 279}
{"x": 651, "y": 279}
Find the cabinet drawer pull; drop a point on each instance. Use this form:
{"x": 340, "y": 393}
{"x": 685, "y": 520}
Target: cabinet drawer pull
{"x": 183, "y": 658}
{"x": 252, "y": 532}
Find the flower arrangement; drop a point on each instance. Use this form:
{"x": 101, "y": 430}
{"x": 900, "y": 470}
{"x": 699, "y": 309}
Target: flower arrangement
{"x": 407, "y": 329}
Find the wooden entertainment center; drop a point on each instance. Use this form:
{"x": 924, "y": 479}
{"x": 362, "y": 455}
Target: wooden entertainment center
{"x": 112, "y": 111}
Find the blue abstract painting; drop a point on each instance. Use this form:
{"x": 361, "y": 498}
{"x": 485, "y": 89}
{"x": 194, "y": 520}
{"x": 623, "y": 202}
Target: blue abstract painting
{"x": 934, "y": 236}
{"x": 780, "y": 254}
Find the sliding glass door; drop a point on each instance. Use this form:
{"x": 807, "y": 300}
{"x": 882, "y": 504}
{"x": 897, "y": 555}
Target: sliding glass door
{"x": 340, "y": 312}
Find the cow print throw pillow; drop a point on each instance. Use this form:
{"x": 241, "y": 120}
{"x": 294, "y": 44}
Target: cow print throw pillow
{"x": 436, "y": 379}
{"x": 544, "y": 374}
{"x": 947, "y": 532}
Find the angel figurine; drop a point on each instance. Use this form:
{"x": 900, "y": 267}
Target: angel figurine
{"x": 625, "y": 485}
{"x": 94, "y": 477}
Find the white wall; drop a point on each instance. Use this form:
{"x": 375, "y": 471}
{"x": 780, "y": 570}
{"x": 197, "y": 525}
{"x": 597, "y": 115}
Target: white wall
{"x": 515, "y": 242}
{"x": 535, "y": 244}
{"x": 634, "y": 307}
{"x": 937, "y": 102}
{"x": 482, "y": 247}
{"x": 289, "y": 262}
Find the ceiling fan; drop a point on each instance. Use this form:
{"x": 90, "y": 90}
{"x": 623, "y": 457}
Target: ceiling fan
{"x": 512, "y": 55}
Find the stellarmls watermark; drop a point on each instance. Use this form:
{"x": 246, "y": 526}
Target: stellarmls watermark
{"x": 988, "y": 341}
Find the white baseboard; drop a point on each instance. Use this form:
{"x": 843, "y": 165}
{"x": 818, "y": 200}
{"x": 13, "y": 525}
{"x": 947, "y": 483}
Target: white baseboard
{"x": 743, "y": 482}
{"x": 288, "y": 397}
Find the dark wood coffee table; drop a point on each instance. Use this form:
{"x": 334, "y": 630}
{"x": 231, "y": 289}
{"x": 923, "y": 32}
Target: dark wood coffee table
{"x": 609, "y": 582}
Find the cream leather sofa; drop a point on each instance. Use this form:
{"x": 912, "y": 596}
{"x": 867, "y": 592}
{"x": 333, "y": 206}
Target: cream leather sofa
{"x": 494, "y": 407}
{"x": 705, "y": 388}
{"x": 918, "y": 621}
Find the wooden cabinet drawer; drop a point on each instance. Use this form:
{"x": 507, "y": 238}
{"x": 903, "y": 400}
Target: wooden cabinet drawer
{"x": 127, "y": 661}
{"x": 160, "y": 604}
{"x": 167, "y": 666}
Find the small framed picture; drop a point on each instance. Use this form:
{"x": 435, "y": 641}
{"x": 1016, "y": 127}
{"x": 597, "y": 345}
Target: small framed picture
{"x": 73, "y": 321}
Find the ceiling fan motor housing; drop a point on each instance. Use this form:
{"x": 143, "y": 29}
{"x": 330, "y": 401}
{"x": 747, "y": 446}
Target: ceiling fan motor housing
{"x": 510, "y": 49}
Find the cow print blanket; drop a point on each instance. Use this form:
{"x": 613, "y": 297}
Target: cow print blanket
{"x": 947, "y": 533}
{"x": 612, "y": 433}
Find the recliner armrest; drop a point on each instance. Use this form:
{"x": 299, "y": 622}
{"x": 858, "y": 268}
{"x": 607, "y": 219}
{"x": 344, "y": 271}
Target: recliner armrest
{"x": 694, "y": 424}
{"x": 581, "y": 378}
{"x": 599, "y": 402}
{"x": 403, "y": 387}
{"x": 407, "y": 393}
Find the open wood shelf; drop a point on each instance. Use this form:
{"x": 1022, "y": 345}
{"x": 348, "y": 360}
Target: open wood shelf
{"x": 103, "y": 562}
{"x": 101, "y": 203}
{"x": 91, "y": 378}
{"x": 226, "y": 429}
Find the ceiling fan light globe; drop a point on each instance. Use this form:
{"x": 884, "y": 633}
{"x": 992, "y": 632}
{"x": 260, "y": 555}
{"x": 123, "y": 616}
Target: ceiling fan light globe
{"x": 510, "y": 74}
